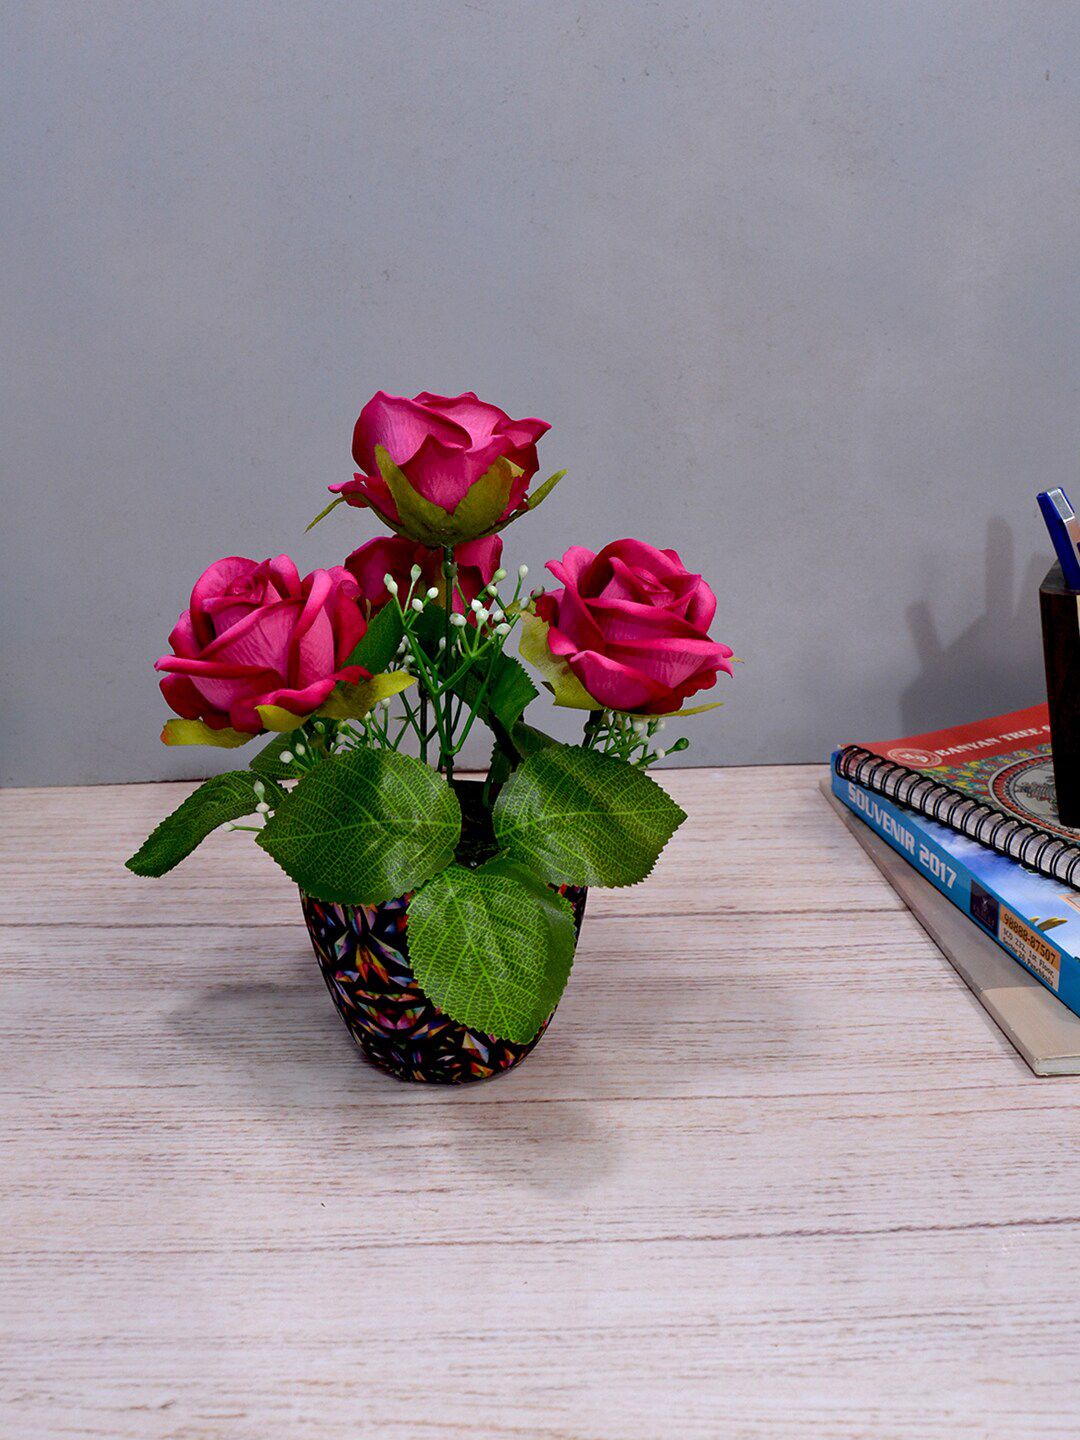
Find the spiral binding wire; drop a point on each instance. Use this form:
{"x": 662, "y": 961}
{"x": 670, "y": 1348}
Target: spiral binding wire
{"x": 1049, "y": 854}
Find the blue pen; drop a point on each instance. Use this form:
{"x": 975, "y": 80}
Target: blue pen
{"x": 1064, "y": 526}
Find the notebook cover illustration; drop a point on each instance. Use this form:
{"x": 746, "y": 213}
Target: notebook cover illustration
{"x": 992, "y": 780}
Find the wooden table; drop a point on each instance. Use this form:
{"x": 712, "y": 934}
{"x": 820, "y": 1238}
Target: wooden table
{"x": 772, "y": 1173}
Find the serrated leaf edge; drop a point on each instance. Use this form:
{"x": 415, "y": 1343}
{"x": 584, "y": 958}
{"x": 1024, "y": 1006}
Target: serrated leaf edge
{"x": 579, "y": 880}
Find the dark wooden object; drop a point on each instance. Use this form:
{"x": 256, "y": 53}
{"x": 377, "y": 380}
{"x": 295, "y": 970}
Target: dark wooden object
{"x": 1060, "y": 609}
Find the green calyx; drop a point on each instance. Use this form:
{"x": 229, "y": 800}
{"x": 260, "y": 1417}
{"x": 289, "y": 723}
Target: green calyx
{"x": 481, "y": 510}
{"x": 566, "y": 689}
{"x": 478, "y": 513}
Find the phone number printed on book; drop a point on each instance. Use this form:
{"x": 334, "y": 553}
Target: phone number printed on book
{"x": 1031, "y": 948}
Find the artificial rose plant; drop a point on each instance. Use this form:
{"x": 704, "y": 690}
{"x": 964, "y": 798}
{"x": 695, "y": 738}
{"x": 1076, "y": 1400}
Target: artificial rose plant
{"x": 405, "y": 645}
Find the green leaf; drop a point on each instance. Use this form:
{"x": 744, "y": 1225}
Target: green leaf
{"x": 581, "y": 818}
{"x": 501, "y": 764}
{"x": 523, "y": 740}
{"x": 379, "y": 642}
{"x": 509, "y": 690}
{"x": 365, "y": 827}
{"x": 477, "y": 513}
{"x": 528, "y": 739}
{"x": 558, "y": 677}
{"x": 268, "y": 763}
{"x": 539, "y": 495}
{"x": 492, "y": 947}
{"x": 337, "y": 500}
{"x": 353, "y": 702}
{"x": 196, "y": 732}
{"x": 225, "y": 797}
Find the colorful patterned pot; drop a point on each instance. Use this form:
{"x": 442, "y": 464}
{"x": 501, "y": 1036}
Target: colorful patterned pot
{"x": 363, "y": 952}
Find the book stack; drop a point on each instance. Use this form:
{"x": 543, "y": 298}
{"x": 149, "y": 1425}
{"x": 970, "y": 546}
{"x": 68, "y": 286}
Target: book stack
{"x": 972, "y": 811}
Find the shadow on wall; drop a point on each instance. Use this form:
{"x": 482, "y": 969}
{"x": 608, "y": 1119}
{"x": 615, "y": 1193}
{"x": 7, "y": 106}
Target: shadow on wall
{"x": 995, "y": 664}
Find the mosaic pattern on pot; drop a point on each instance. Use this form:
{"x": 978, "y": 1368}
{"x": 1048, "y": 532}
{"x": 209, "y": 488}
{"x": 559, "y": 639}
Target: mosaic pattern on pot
{"x": 363, "y": 953}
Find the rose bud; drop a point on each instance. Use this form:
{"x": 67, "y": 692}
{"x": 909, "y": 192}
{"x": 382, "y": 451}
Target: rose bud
{"x": 431, "y": 451}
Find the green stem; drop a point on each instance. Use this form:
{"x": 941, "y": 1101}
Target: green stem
{"x": 463, "y": 668}
{"x": 475, "y": 710}
{"x": 405, "y": 726}
{"x": 446, "y": 746}
{"x": 593, "y": 726}
{"x": 412, "y": 717}
{"x": 423, "y": 726}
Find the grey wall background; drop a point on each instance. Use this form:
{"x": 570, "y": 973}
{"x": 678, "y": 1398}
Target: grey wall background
{"x": 795, "y": 284}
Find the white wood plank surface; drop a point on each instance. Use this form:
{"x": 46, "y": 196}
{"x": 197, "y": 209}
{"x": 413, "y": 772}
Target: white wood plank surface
{"x": 772, "y": 1173}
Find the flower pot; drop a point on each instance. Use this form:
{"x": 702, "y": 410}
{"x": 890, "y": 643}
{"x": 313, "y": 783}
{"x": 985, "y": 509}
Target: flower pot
{"x": 363, "y": 952}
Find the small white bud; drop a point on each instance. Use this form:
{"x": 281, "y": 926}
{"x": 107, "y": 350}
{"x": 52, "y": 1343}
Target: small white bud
{"x": 490, "y": 589}
{"x": 482, "y": 616}
{"x": 442, "y": 643}
{"x": 500, "y": 574}
{"x": 477, "y": 605}
{"x": 285, "y": 757}
{"x": 433, "y": 592}
{"x": 523, "y": 570}
{"x": 301, "y": 750}
{"x": 457, "y": 620}
{"x": 497, "y": 614}
{"x": 660, "y": 725}
{"x": 262, "y": 808}
{"x": 639, "y": 727}
{"x": 660, "y": 754}
{"x": 415, "y": 572}
{"x": 418, "y": 606}
{"x": 390, "y": 583}
{"x": 502, "y": 629}
{"x": 228, "y": 825}
{"x": 259, "y": 788}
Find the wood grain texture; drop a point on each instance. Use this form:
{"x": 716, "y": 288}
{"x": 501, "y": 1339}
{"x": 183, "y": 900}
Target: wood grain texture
{"x": 772, "y": 1173}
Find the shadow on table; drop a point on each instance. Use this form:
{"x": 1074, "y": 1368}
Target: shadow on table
{"x": 279, "y": 1048}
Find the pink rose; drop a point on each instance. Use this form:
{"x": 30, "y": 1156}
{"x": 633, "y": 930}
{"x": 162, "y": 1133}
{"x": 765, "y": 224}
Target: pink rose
{"x": 477, "y": 561}
{"x": 256, "y": 634}
{"x": 442, "y": 444}
{"x": 632, "y": 625}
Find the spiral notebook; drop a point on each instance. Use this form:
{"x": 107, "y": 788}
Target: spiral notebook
{"x": 992, "y": 780}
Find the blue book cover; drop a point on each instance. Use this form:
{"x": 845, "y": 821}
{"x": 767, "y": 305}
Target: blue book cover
{"x": 1035, "y": 919}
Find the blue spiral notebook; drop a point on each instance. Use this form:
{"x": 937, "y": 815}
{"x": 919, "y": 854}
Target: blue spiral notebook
{"x": 1034, "y": 919}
